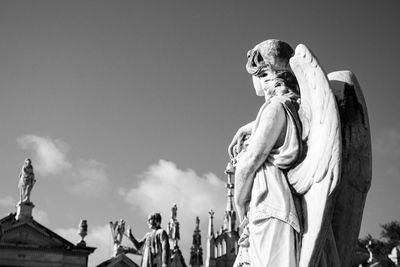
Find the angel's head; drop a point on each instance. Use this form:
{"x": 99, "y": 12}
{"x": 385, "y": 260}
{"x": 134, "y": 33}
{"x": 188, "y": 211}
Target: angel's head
{"x": 268, "y": 63}
{"x": 271, "y": 53}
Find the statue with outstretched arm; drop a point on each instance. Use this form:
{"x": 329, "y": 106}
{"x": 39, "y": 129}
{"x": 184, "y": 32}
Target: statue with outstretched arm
{"x": 154, "y": 245}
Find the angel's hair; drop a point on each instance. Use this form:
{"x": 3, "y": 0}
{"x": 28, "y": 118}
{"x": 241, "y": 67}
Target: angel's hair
{"x": 277, "y": 49}
{"x": 260, "y": 56}
{"x": 286, "y": 85}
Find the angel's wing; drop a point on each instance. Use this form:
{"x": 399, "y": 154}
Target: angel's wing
{"x": 113, "y": 227}
{"x": 356, "y": 163}
{"x": 317, "y": 175}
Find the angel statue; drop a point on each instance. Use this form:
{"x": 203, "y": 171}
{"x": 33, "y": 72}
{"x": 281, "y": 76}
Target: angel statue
{"x": 117, "y": 232}
{"x": 26, "y": 181}
{"x": 303, "y": 166}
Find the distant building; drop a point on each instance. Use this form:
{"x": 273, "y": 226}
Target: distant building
{"x": 222, "y": 246}
{"x": 25, "y": 242}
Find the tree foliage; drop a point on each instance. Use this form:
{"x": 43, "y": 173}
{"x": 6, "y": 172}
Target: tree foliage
{"x": 391, "y": 232}
{"x": 380, "y": 248}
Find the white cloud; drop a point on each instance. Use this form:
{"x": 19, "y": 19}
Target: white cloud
{"x": 41, "y": 216}
{"x": 87, "y": 177}
{"x": 91, "y": 178}
{"x": 49, "y": 155}
{"x": 7, "y": 202}
{"x": 98, "y": 236}
{"x": 163, "y": 184}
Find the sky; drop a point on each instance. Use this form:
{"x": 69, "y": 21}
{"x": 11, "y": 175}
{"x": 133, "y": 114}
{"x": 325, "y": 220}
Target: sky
{"x": 127, "y": 107}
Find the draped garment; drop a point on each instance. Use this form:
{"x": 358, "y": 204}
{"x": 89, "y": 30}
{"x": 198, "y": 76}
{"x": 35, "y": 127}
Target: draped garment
{"x": 274, "y": 227}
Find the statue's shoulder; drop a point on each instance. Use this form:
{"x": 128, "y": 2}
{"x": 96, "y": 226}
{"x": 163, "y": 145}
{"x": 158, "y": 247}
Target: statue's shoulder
{"x": 162, "y": 233}
{"x": 286, "y": 102}
{"x": 147, "y": 235}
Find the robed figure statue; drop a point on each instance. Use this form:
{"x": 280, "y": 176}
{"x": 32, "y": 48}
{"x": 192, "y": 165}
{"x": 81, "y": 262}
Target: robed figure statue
{"x": 303, "y": 166}
{"x": 26, "y": 181}
{"x": 154, "y": 245}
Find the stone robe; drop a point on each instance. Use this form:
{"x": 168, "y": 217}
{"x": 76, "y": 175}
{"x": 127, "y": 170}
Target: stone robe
{"x": 156, "y": 249}
{"x": 274, "y": 227}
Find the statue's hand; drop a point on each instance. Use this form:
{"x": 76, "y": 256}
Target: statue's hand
{"x": 236, "y": 144}
{"x": 128, "y": 232}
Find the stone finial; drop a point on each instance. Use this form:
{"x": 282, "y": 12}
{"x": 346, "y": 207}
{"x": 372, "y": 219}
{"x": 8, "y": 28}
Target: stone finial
{"x": 230, "y": 168}
{"x": 83, "y": 228}
{"x": 211, "y": 224}
{"x": 211, "y": 212}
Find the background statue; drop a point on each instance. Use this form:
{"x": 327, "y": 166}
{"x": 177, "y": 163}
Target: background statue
{"x": 117, "y": 232}
{"x": 174, "y": 210}
{"x": 26, "y": 182}
{"x": 173, "y": 228}
{"x": 154, "y": 245}
{"x": 289, "y": 161}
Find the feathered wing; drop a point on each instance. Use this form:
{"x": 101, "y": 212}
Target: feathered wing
{"x": 356, "y": 163}
{"x": 316, "y": 177}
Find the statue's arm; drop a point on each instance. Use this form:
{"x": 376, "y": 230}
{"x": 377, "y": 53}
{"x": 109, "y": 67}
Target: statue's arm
{"x": 129, "y": 250}
{"x": 165, "y": 249}
{"x": 237, "y": 141}
{"x": 271, "y": 125}
{"x": 137, "y": 244}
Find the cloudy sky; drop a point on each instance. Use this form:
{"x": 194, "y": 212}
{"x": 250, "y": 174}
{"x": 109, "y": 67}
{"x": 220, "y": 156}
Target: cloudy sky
{"x": 127, "y": 108}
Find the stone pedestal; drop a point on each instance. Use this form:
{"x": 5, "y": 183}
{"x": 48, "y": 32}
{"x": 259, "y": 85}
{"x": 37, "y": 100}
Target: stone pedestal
{"x": 24, "y": 210}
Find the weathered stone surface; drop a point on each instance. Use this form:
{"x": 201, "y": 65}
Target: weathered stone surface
{"x": 356, "y": 168}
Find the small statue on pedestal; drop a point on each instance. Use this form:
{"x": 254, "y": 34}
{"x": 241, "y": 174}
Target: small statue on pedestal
{"x": 26, "y": 181}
